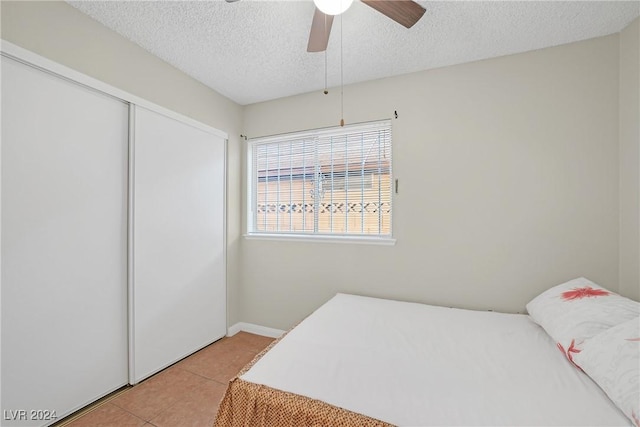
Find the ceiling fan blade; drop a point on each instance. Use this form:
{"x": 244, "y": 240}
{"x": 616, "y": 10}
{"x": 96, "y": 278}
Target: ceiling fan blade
{"x": 405, "y": 12}
{"x": 320, "y": 30}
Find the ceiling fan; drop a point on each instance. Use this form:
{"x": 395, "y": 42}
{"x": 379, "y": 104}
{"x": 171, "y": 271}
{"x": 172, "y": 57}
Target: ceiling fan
{"x": 405, "y": 12}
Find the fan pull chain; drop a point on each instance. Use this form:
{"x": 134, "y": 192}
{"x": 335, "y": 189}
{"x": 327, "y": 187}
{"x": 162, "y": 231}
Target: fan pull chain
{"x": 326, "y": 90}
{"x": 341, "y": 78}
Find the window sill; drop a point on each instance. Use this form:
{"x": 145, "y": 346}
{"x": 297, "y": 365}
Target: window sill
{"x": 361, "y": 240}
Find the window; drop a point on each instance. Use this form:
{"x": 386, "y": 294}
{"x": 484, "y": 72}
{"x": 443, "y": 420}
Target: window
{"x": 330, "y": 182}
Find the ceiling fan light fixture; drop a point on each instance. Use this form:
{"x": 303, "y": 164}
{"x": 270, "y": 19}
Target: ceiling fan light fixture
{"x": 333, "y": 7}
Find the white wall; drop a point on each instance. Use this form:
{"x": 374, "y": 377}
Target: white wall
{"x": 508, "y": 174}
{"x": 61, "y": 33}
{"x": 630, "y": 160}
{"x": 508, "y": 170}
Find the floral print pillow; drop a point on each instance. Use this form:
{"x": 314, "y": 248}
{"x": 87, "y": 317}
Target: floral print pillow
{"x": 612, "y": 360}
{"x": 578, "y": 310}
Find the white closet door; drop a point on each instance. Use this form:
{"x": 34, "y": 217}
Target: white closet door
{"x": 64, "y": 247}
{"x": 178, "y": 283}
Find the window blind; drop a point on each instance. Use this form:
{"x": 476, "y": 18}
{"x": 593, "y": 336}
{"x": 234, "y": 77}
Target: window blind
{"x": 333, "y": 181}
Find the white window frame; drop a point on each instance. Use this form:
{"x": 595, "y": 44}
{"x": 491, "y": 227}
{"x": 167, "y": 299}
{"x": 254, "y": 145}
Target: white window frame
{"x": 310, "y": 237}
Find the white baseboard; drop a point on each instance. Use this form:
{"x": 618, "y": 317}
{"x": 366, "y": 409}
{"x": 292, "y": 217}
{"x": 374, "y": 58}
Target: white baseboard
{"x": 254, "y": 329}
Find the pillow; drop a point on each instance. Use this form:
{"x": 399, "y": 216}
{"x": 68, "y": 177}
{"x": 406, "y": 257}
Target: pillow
{"x": 612, "y": 360}
{"x": 577, "y": 310}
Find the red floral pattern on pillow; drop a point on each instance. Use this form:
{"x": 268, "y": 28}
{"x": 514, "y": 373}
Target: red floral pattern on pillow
{"x": 611, "y": 358}
{"x": 585, "y": 292}
{"x": 569, "y": 352}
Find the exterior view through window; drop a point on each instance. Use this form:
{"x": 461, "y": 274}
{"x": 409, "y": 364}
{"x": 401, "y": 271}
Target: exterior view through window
{"x": 333, "y": 181}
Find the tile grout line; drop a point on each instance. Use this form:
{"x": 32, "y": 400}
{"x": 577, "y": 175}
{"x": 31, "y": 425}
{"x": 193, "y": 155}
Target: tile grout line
{"x": 164, "y": 410}
{"x": 131, "y": 413}
{"x": 207, "y": 378}
{"x": 154, "y": 416}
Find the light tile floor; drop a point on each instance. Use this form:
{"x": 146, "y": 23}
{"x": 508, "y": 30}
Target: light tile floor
{"x": 185, "y": 394}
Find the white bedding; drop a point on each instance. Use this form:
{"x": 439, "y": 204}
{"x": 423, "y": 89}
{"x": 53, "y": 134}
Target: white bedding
{"x": 416, "y": 365}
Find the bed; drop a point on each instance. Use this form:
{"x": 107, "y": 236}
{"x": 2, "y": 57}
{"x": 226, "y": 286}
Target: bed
{"x": 366, "y": 361}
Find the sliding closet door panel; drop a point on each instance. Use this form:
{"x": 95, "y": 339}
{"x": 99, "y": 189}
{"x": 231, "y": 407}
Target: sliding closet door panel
{"x": 64, "y": 229}
{"x": 179, "y": 295}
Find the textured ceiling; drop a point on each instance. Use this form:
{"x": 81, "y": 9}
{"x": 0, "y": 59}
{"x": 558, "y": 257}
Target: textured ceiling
{"x": 252, "y": 51}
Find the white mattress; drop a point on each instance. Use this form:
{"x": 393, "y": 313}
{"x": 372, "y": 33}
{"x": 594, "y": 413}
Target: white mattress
{"x": 416, "y": 365}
